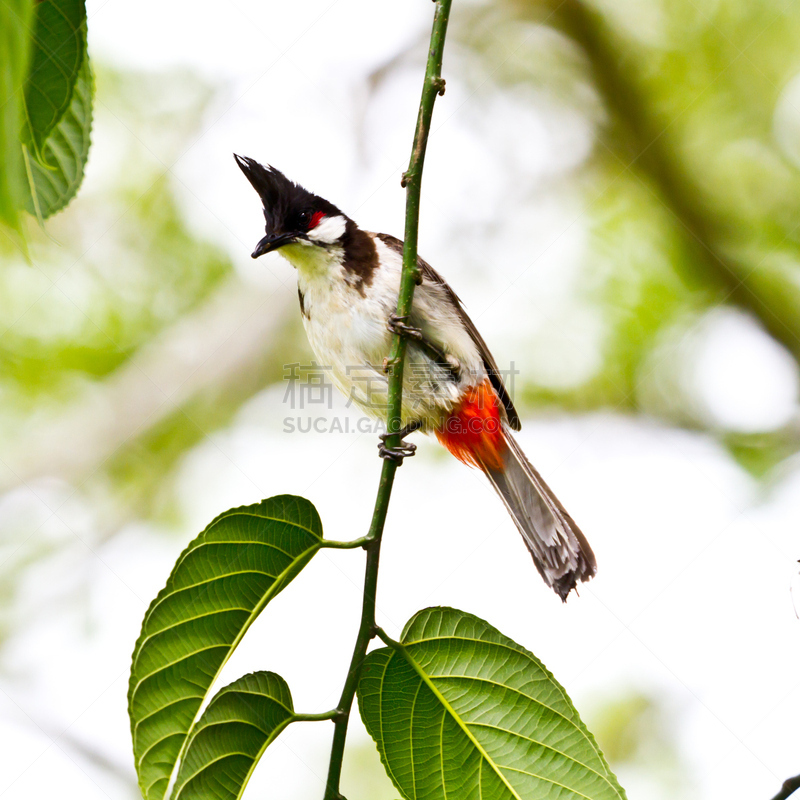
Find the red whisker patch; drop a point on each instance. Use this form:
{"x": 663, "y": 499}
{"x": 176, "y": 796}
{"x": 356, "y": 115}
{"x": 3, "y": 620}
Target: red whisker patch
{"x": 473, "y": 432}
{"x": 316, "y": 219}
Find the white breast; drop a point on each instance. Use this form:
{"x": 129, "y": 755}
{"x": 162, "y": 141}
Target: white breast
{"x": 347, "y": 329}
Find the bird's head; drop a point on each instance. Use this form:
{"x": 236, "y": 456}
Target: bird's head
{"x": 293, "y": 215}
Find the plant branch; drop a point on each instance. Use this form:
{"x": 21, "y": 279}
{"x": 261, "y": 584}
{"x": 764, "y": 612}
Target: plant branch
{"x": 412, "y": 181}
{"x": 790, "y": 786}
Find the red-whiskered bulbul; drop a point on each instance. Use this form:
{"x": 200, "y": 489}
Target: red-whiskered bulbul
{"x": 348, "y": 281}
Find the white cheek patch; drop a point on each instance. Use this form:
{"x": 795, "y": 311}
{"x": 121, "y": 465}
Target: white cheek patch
{"x": 329, "y": 230}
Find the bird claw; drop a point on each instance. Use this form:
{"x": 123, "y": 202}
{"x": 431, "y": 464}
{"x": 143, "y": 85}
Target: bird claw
{"x": 446, "y": 361}
{"x": 398, "y": 325}
{"x": 396, "y": 454}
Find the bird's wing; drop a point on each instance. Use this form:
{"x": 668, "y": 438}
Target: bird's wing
{"x": 432, "y": 276}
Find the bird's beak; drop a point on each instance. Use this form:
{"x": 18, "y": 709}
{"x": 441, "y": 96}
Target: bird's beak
{"x": 272, "y": 242}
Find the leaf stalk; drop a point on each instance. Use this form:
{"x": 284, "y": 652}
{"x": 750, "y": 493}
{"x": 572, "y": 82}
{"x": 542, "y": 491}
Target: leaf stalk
{"x": 325, "y": 715}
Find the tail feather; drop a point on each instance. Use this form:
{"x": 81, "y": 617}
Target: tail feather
{"x": 477, "y": 433}
{"x": 559, "y": 549}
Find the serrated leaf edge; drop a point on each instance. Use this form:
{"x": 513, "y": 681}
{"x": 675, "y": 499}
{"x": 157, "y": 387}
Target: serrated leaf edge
{"x": 38, "y": 146}
{"x": 509, "y": 644}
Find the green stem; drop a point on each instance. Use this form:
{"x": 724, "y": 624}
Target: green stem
{"x": 412, "y": 181}
{"x": 316, "y": 717}
{"x": 352, "y": 545}
{"x": 387, "y": 640}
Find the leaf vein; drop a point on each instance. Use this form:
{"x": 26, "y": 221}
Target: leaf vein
{"x": 513, "y": 689}
{"x": 458, "y": 720}
{"x": 541, "y": 744}
{"x": 173, "y": 663}
{"x": 549, "y": 780}
{"x": 167, "y": 705}
{"x": 192, "y": 619}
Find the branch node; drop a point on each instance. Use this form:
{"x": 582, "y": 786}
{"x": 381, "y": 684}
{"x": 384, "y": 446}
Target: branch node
{"x": 439, "y": 84}
{"x": 386, "y": 639}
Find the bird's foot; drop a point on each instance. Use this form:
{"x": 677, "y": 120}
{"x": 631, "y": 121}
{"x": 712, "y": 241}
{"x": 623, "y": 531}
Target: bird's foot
{"x": 402, "y": 450}
{"x": 399, "y": 325}
{"x": 445, "y": 360}
{"x": 396, "y": 454}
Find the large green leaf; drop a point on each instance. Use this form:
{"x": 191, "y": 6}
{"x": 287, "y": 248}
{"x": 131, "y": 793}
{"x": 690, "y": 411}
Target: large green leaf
{"x": 460, "y": 711}
{"x": 219, "y": 585}
{"x": 240, "y": 723}
{"x": 15, "y": 39}
{"x": 59, "y": 48}
{"x": 56, "y": 181}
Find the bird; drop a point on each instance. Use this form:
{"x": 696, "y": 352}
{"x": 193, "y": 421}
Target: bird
{"x": 348, "y": 281}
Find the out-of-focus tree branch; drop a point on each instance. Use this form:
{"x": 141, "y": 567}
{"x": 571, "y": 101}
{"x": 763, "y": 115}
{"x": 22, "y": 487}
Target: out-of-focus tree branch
{"x": 789, "y": 787}
{"x": 767, "y": 291}
{"x": 224, "y": 343}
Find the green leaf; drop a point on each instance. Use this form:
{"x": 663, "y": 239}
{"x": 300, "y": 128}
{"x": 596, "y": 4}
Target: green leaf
{"x": 460, "y": 711}
{"x": 219, "y": 585}
{"x": 15, "y": 39}
{"x": 59, "y": 49}
{"x": 57, "y": 180}
{"x": 237, "y": 727}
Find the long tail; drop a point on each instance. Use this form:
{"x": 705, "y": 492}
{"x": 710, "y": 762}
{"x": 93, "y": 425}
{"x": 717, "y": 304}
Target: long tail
{"x": 559, "y": 549}
{"x": 477, "y": 435}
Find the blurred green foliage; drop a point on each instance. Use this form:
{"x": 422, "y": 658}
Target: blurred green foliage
{"x": 630, "y": 725}
{"x": 694, "y": 120}
{"x": 691, "y": 189}
{"x": 112, "y": 307}
{"x": 15, "y": 23}
{"x": 117, "y": 270}
{"x": 637, "y": 732}
{"x": 362, "y": 772}
{"x": 121, "y": 267}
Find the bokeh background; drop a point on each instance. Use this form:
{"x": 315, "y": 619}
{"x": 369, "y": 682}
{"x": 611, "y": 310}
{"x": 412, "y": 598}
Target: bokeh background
{"x": 612, "y": 188}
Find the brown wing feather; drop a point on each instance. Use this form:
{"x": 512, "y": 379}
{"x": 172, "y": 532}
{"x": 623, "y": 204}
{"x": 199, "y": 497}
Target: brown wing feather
{"x": 431, "y": 275}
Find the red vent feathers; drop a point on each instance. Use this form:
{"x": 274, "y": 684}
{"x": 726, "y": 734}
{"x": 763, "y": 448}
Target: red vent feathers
{"x": 473, "y": 432}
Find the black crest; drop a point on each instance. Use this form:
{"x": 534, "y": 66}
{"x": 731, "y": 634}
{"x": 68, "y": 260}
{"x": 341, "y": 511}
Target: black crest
{"x": 286, "y": 204}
